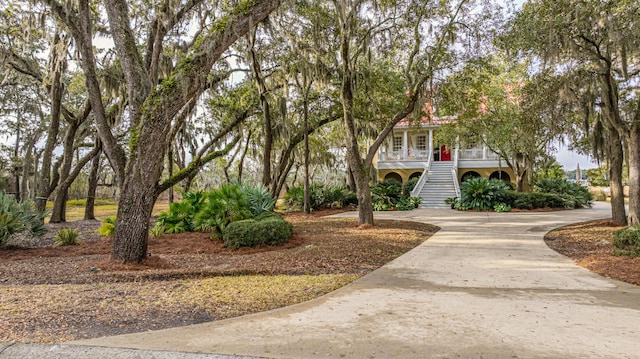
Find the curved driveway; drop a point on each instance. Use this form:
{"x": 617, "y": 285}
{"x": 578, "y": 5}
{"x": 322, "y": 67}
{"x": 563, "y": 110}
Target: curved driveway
{"x": 484, "y": 286}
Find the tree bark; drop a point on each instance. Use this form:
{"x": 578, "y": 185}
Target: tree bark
{"x": 616, "y": 160}
{"x": 360, "y": 173}
{"x": 58, "y": 214}
{"x": 91, "y": 192}
{"x": 266, "y": 114}
{"x": 634, "y": 171}
{"x": 305, "y": 113}
{"x": 244, "y": 154}
{"x": 16, "y": 153}
{"x": 151, "y": 128}
{"x": 44, "y": 187}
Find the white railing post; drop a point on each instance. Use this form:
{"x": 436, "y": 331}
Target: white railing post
{"x": 423, "y": 177}
{"x": 454, "y": 173}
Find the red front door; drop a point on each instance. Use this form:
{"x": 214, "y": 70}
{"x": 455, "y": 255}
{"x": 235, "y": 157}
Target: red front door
{"x": 445, "y": 154}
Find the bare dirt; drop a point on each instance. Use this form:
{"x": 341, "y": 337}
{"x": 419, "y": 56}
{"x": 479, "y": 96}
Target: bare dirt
{"x": 54, "y": 294}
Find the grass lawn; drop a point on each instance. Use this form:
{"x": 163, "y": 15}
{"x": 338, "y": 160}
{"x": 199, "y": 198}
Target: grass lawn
{"x": 103, "y": 208}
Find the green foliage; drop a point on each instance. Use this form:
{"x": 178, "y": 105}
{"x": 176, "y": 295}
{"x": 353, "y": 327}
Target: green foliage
{"x": 385, "y": 195}
{"x": 223, "y": 205}
{"x": 215, "y": 209}
{"x": 66, "y": 237}
{"x": 572, "y": 194}
{"x": 19, "y": 217}
{"x": 407, "y": 203}
{"x": 180, "y": 216}
{"x": 321, "y": 196}
{"x": 482, "y": 194}
{"x": 269, "y": 230}
{"x": 388, "y": 195}
{"x": 259, "y": 197}
{"x": 158, "y": 230}
{"x": 534, "y": 200}
{"x": 410, "y": 185}
{"x": 598, "y": 176}
{"x": 108, "y": 226}
{"x": 501, "y": 207}
{"x": 97, "y": 202}
{"x": 626, "y": 242}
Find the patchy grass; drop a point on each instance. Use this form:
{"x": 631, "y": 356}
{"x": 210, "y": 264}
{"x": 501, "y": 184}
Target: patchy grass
{"x": 103, "y": 208}
{"x": 55, "y": 313}
{"x": 589, "y": 244}
{"x": 53, "y": 294}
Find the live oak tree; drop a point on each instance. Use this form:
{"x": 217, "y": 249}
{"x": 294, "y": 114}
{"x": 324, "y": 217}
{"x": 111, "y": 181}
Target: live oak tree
{"x": 153, "y": 102}
{"x": 598, "y": 39}
{"x": 410, "y": 41}
{"x": 497, "y": 104}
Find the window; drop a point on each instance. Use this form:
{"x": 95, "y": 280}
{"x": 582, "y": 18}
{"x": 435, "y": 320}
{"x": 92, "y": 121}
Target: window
{"x": 421, "y": 143}
{"x": 397, "y": 144}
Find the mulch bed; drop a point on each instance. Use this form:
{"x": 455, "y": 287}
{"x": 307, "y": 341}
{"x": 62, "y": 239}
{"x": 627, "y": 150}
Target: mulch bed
{"x": 589, "y": 244}
{"x": 53, "y": 294}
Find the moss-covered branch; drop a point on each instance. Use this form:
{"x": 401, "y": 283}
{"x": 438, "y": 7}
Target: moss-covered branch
{"x": 195, "y": 166}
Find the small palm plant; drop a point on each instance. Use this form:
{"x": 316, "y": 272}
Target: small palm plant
{"x": 66, "y": 237}
{"x": 19, "y": 217}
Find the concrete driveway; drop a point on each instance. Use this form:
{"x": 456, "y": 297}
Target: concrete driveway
{"x": 485, "y": 286}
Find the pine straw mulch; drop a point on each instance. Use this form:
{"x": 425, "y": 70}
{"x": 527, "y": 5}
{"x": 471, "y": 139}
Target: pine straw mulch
{"x": 50, "y": 294}
{"x": 589, "y": 244}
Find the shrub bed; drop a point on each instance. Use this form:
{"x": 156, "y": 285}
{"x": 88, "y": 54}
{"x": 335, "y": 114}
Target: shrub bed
{"x": 626, "y": 242}
{"x": 264, "y": 230}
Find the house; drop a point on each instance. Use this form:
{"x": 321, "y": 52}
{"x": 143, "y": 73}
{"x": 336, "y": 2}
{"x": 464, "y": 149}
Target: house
{"x": 410, "y": 151}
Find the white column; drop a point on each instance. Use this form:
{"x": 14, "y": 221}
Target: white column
{"x": 405, "y": 144}
{"x": 484, "y": 152}
{"x": 431, "y": 144}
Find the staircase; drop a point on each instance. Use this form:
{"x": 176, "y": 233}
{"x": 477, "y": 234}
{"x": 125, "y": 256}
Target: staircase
{"x": 439, "y": 186}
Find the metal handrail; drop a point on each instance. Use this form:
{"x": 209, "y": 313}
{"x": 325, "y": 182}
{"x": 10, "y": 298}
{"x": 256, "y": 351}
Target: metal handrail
{"x": 423, "y": 177}
{"x": 454, "y": 173}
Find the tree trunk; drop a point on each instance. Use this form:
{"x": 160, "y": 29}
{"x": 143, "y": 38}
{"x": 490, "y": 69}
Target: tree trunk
{"x": 16, "y": 153}
{"x": 93, "y": 186}
{"x": 170, "y": 161}
{"x": 360, "y": 172}
{"x": 132, "y": 229}
{"x": 58, "y": 213}
{"x": 44, "y": 183}
{"x": 244, "y": 154}
{"x": 351, "y": 183}
{"x": 616, "y": 159}
{"x": 365, "y": 206}
{"x": 62, "y": 192}
{"x": 634, "y": 170}
{"x": 307, "y": 195}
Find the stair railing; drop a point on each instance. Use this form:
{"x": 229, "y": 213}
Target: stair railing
{"x": 454, "y": 173}
{"x": 424, "y": 177}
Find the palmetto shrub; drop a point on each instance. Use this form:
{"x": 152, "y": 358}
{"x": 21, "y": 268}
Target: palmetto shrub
{"x": 214, "y": 210}
{"x": 626, "y": 242}
{"x": 320, "y": 196}
{"x": 180, "y": 216}
{"x": 223, "y": 205}
{"x": 19, "y": 217}
{"x": 482, "y": 194}
{"x": 573, "y": 195}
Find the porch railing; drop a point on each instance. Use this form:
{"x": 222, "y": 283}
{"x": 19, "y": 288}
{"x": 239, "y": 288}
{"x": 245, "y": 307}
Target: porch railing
{"x": 423, "y": 177}
{"x": 454, "y": 173}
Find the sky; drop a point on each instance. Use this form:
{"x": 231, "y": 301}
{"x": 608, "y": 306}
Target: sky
{"x": 570, "y": 159}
